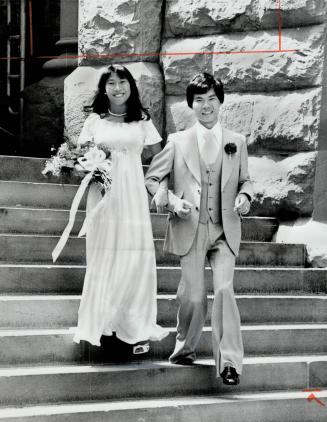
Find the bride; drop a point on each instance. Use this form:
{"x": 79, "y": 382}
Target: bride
{"x": 120, "y": 286}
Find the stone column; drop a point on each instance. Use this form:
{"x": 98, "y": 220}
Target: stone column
{"x": 320, "y": 189}
{"x": 67, "y": 61}
{"x": 44, "y": 100}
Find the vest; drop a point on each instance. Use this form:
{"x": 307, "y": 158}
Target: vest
{"x": 210, "y": 201}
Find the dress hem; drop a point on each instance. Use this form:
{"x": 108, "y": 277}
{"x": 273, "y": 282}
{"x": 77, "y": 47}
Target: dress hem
{"x": 94, "y": 342}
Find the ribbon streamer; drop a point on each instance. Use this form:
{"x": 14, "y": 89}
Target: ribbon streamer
{"x": 72, "y": 214}
{"x": 88, "y": 220}
{"x": 94, "y": 159}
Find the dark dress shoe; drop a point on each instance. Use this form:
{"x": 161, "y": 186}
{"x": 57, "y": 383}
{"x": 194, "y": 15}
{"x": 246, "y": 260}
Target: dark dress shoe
{"x": 230, "y": 376}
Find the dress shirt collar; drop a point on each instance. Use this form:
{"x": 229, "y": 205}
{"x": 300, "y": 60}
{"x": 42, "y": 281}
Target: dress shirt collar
{"x": 216, "y": 131}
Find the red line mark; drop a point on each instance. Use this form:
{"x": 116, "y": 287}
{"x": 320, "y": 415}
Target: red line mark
{"x": 311, "y": 397}
{"x": 30, "y": 15}
{"x": 109, "y": 56}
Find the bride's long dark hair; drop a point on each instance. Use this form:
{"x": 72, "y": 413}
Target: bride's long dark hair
{"x": 135, "y": 110}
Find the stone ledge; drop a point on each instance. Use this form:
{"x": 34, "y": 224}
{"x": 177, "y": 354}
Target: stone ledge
{"x": 312, "y": 233}
{"x": 251, "y": 72}
{"x": 206, "y": 17}
{"x": 283, "y": 188}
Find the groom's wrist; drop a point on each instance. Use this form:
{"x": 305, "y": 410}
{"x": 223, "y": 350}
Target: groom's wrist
{"x": 246, "y": 195}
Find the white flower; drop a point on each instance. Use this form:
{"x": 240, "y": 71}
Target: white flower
{"x": 93, "y": 159}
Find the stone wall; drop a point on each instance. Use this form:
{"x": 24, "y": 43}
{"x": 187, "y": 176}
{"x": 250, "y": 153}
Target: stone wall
{"x": 116, "y": 27}
{"x": 273, "y": 98}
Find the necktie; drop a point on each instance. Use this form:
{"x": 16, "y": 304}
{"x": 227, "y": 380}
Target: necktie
{"x": 209, "y": 148}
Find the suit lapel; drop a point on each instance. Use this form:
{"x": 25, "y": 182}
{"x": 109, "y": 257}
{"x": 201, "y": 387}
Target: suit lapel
{"x": 189, "y": 148}
{"x": 229, "y": 160}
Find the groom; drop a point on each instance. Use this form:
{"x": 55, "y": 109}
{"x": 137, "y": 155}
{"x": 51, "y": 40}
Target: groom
{"x": 212, "y": 189}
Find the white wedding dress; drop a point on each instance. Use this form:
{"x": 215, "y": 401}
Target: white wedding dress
{"x": 120, "y": 286}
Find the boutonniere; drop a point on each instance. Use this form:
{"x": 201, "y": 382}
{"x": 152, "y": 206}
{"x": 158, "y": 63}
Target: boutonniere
{"x": 230, "y": 149}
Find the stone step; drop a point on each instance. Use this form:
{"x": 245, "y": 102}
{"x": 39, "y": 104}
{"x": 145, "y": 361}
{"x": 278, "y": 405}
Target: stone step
{"x": 22, "y": 168}
{"x": 61, "y": 279}
{"x": 46, "y": 195}
{"x": 254, "y": 407}
{"x": 37, "y": 249}
{"x": 40, "y": 195}
{"x": 49, "y": 384}
{"x": 34, "y": 346}
{"x": 61, "y": 311}
{"x": 53, "y": 221}
{"x": 28, "y": 169}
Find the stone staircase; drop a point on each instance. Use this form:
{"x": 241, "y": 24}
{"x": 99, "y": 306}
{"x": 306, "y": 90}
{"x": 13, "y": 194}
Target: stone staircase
{"x": 44, "y": 376}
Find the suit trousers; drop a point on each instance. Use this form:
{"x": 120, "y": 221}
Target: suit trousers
{"x": 227, "y": 342}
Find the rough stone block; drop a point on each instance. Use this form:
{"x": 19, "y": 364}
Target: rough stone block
{"x": 283, "y": 188}
{"x": 205, "y": 17}
{"x": 282, "y": 121}
{"x": 114, "y": 28}
{"x": 261, "y": 71}
{"x": 81, "y": 85}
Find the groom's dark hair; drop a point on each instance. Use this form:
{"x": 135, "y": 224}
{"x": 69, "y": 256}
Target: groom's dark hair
{"x": 202, "y": 83}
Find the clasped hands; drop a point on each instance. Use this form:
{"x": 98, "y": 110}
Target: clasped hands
{"x": 160, "y": 200}
{"x": 182, "y": 207}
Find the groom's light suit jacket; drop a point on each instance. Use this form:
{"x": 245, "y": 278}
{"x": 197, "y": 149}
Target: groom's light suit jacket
{"x": 181, "y": 158}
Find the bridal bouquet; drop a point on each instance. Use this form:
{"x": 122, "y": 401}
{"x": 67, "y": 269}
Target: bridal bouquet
{"x": 94, "y": 164}
{"x": 72, "y": 159}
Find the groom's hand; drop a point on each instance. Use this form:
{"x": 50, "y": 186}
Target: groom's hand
{"x": 183, "y": 208}
{"x": 242, "y": 204}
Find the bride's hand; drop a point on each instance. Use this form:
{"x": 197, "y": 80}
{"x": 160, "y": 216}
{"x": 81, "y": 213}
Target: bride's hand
{"x": 79, "y": 171}
{"x": 160, "y": 200}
